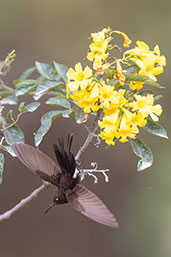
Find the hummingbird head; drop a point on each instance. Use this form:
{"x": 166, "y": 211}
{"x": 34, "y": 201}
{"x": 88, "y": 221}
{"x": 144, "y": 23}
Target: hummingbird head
{"x": 60, "y": 199}
{"x": 57, "y": 199}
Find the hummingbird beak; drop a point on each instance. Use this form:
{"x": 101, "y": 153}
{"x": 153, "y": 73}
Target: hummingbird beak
{"x": 50, "y": 207}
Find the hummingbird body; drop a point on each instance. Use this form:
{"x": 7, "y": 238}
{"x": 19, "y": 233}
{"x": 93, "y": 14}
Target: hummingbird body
{"x": 61, "y": 175}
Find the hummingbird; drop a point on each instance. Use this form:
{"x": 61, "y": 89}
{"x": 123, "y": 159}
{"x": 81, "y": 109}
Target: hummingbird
{"x": 62, "y": 176}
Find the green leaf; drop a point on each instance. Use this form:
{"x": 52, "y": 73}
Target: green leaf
{"x": 141, "y": 78}
{"x": 27, "y": 73}
{"x": 67, "y": 113}
{"x": 59, "y": 101}
{"x": 8, "y": 149}
{"x": 16, "y": 81}
{"x": 11, "y": 99}
{"x": 22, "y": 108}
{"x": 32, "y": 106}
{"x": 46, "y": 122}
{"x": 45, "y": 86}
{"x": 142, "y": 151}
{"x": 113, "y": 82}
{"x": 80, "y": 115}
{"x": 157, "y": 97}
{"x": 9, "y": 115}
{"x": 26, "y": 86}
{"x": 1, "y": 166}
{"x": 109, "y": 73}
{"x": 155, "y": 129}
{"x": 62, "y": 71}
{"x": 145, "y": 92}
{"x": 131, "y": 69}
{"x": 45, "y": 70}
{"x": 4, "y": 92}
{"x": 13, "y": 134}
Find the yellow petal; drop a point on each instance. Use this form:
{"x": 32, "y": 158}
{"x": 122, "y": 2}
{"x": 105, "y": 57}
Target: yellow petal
{"x": 71, "y": 74}
{"x": 78, "y": 67}
{"x": 87, "y": 72}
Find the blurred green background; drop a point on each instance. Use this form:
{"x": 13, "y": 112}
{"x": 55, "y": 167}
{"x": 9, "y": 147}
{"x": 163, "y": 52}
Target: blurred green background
{"x": 59, "y": 30}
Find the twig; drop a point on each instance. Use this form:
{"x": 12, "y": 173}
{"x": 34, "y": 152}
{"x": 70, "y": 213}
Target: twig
{"x": 14, "y": 122}
{"x": 36, "y": 192}
{"x": 90, "y": 136}
{"x": 22, "y": 203}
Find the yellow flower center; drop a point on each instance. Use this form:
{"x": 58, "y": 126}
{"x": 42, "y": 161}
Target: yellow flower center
{"x": 141, "y": 103}
{"x": 80, "y": 76}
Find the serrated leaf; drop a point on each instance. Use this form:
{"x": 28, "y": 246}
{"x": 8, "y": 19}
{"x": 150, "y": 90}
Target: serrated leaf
{"x": 141, "y": 78}
{"x": 26, "y": 86}
{"x": 46, "y": 122}
{"x": 8, "y": 149}
{"x": 9, "y": 115}
{"x": 142, "y": 151}
{"x": 80, "y": 115}
{"x": 62, "y": 71}
{"x": 45, "y": 70}
{"x": 32, "y": 106}
{"x": 1, "y": 166}
{"x": 155, "y": 129}
{"x": 13, "y": 134}
{"x": 22, "y": 108}
{"x": 45, "y": 86}
{"x": 27, "y": 73}
{"x": 11, "y": 99}
{"x": 59, "y": 101}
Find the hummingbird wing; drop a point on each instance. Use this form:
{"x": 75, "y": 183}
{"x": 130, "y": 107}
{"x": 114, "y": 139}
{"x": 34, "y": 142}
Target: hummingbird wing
{"x": 36, "y": 161}
{"x": 86, "y": 202}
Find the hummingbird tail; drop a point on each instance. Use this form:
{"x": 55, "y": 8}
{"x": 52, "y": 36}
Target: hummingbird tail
{"x": 64, "y": 156}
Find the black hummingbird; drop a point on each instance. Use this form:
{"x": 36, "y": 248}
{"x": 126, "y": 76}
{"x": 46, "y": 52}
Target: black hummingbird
{"x": 61, "y": 175}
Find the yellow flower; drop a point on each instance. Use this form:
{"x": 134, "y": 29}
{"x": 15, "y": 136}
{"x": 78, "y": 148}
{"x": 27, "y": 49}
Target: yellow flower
{"x": 127, "y": 41}
{"x": 107, "y": 95}
{"x": 109, "y": 124}
{"x": 88, "y": 100}
{"x": 135, "y": 119}
{"x": 104, "y": 67}
{"x": 78, "y": 77}
{"x": 99, "y": 38}
{"x": 108, "y": 136}
{"x": 125, "y": 131}
{"x": 98, "y": 48}
{"x": 144, "y": 104}
{"x": 149, "y": 62}
{"x": 98, "y": 54}
{"x": 148, "y": 68}
{"x": 136, "y": 85}
{"x": 119, "y": 75}
{"x": 109, "y": 121}
{"x": 117, "y": 101}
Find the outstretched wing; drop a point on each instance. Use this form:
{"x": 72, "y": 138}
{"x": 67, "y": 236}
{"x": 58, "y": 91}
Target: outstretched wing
{"x": 36, "y": 161}
{"x": 86, "y": 202}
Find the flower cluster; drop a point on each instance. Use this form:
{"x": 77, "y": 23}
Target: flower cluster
{"x": 111, "y": 89}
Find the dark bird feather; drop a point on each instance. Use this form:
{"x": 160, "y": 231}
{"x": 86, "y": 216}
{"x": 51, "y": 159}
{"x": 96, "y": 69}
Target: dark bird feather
{"x": 61, "y": 175}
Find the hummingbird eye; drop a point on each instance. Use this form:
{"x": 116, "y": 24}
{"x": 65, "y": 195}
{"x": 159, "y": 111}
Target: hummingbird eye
{"x": 56, "y": 199}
